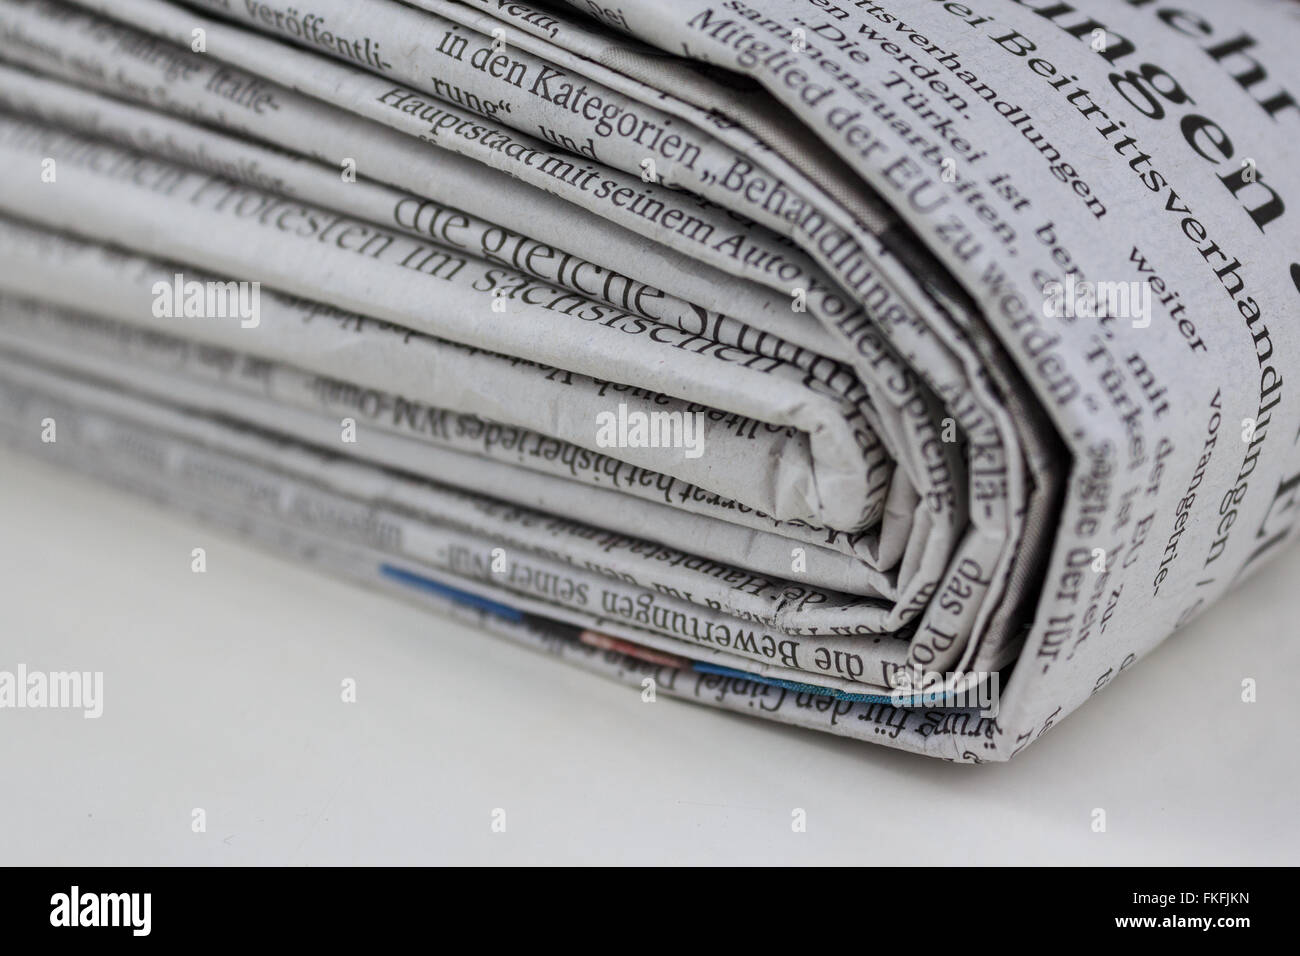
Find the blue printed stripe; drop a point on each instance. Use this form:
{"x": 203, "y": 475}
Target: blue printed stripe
{"x": 455, "y": 594}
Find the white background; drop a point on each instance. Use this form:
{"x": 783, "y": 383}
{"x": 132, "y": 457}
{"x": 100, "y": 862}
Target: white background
{"x": 222, "y": 692}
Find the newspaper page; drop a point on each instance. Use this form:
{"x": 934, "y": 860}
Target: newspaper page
{"x": 965, "y": 323}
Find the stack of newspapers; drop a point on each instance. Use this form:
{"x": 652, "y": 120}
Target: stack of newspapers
{"x": 904, "y": 370}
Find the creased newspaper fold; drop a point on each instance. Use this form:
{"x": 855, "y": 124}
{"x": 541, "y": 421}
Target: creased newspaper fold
{"x": 901, "y": 370}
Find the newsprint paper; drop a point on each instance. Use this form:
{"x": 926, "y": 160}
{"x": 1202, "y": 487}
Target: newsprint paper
{"x": 902, "y": 369}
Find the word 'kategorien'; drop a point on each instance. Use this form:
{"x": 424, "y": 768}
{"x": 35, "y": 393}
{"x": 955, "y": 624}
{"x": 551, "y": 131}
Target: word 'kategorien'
{"x": 636, "y": 429}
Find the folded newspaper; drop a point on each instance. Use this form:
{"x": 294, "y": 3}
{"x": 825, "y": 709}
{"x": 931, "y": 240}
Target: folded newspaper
{"x": 904, "y": 370}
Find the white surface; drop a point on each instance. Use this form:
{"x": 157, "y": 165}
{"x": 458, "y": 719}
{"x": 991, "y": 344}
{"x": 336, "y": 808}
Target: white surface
{"x": 222, "y": 692}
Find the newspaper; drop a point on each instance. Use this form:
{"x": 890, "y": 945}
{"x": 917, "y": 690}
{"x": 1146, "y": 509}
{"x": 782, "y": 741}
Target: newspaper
{"x": 980, "y": 311}
{"x": 162, "y": 465}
